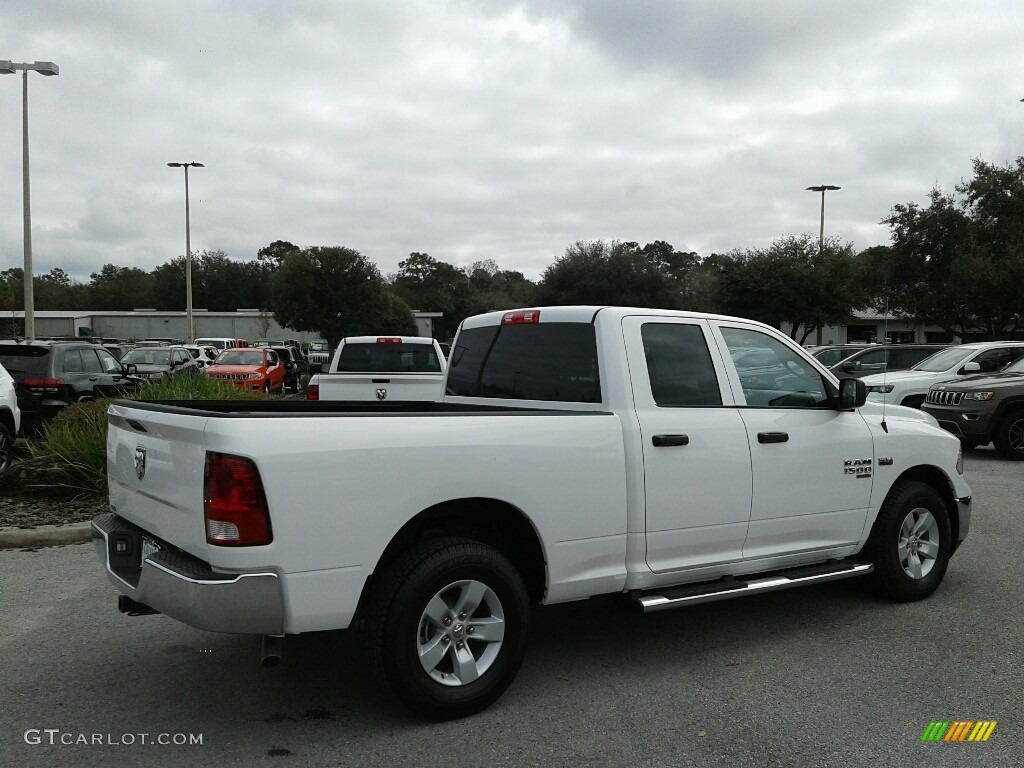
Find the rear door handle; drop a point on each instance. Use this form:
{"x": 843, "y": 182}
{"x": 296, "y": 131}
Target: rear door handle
{"x": 773, "y": 437}
{"x": 664, "y": 441}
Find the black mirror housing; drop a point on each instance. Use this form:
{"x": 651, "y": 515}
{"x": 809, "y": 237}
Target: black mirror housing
{"x": 853, "y": 393}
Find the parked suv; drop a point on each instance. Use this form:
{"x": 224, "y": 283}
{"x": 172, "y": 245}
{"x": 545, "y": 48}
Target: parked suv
{"x": 161, "y": 362}
{"x": 982, "y": 409}
{"x": 50, "y": 375}
{"x": 830, "y": 354}
{"x": 10, "y": 419}
{"x": 910, "y": 387}
{"x": 888, "y": 357}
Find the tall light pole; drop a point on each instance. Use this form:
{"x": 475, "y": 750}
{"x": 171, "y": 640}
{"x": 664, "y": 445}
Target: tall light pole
{"x": 190, "y": 335}
{"x": 49, "y": 69}
{"x": 823, "y": 188}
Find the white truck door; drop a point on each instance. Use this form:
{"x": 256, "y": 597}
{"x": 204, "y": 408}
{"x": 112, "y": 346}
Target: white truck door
{"x": 696, "y": 458}
{"x": 812, "y": 464}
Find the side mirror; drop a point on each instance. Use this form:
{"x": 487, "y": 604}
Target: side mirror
{"x": 969, "y": 368}
{"x": 130, "y": 369}
{"x": 853, "y": 393}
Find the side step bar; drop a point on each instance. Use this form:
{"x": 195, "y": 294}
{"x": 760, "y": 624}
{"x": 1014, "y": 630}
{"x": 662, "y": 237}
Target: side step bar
{"x": 725, "y": 589}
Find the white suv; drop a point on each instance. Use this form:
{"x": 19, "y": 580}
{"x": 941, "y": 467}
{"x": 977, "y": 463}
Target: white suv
{"x": 911, "y": 387}
{"x": 10, "y": 419}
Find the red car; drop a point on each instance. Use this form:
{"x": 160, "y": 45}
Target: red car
{"x": 255, "y": 369}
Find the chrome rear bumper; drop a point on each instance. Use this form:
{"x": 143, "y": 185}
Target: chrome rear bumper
{"x": 184, "y": 587}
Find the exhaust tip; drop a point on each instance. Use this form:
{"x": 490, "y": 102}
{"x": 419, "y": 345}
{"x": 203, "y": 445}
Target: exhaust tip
{"x": 270, "y": 651}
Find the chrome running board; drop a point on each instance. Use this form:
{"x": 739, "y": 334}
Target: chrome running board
{"x": 725, "y": 589}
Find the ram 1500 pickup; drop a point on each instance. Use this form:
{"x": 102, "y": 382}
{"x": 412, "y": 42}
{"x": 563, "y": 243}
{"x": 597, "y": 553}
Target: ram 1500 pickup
{"x": 381, "y": 368}
{"x": 671, "y": 458}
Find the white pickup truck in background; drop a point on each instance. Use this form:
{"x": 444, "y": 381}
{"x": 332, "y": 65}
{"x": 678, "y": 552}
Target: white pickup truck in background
{"x": 381, "y": 368}
{"x": 668, "y": 457}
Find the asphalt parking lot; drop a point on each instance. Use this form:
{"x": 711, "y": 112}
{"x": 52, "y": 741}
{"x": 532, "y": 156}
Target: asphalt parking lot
{"x": 823, "y": 676}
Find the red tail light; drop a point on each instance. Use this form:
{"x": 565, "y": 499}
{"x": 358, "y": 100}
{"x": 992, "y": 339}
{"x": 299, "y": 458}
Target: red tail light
{"x": 234, "y": 505}
{"x": 388, "y": 340}
{"x": 313, "y": 392}
{"x": 519, "y": 318}
{"x": 46, "y": 385}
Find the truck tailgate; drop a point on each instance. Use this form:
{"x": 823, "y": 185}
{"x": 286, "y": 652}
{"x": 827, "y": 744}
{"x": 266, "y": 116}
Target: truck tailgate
{"x": 155, "y": 464}
{"x": 383, "y": 386}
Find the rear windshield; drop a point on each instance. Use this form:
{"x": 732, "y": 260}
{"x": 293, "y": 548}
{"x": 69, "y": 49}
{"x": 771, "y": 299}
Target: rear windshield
{"x": 374, "y": 357}
{"x": 536, "y": 361}
{"x": 148, "y": 356}
{"x": 21, "y": 360}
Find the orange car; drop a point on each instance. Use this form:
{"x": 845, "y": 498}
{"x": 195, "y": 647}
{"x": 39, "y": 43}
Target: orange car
{"x": 255, "y": 369}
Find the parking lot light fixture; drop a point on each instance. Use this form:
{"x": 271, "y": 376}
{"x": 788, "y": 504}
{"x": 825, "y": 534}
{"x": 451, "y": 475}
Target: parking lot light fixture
{"x": 823, "y": 188}
{"x": 49, "y": 69}
{"x": 190, "y": 334}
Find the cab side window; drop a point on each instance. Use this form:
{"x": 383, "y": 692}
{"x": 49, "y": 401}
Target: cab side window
{"x": 772, "y": 374}
{"x": 679, "y": 366}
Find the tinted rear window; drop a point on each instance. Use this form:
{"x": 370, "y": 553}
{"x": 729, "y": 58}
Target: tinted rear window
{"x": 21, "y": 360}
{"x": 542, "y": 361}
{"x": 366, "y": 357}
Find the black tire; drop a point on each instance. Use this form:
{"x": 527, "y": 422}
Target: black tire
{"x": 910, "y": 502}
{"x": 266, "y": 386}
{"x": 969, "y": 445}
{"x": 397, "y": 626}
{"x": 1009, "y": 436}
{"x": 6, "y": 448}
{"x": 914, "y": 401}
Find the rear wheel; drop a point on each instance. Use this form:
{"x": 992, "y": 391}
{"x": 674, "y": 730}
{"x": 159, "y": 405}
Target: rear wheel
{"x": 1009, "y": 436}
{"x": 447, "y": 627}
{"x": 911, "y": 542}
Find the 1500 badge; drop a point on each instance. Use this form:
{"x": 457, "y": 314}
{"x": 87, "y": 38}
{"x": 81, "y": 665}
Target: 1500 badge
{"x": 857, "y": 467}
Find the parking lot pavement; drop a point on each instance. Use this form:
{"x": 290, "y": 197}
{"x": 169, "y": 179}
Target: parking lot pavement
{"x": 822, "y": 676}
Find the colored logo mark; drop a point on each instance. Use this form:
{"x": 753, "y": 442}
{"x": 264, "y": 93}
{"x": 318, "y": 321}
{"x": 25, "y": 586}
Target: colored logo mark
{"x": 958, "y": 730}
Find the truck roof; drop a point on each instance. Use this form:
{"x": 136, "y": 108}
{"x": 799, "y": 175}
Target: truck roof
{"x": 587, "y": 314}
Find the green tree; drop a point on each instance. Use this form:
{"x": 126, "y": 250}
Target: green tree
{"x": 120, "y": 288}
{"x": 336, "y": 292}
{"x": 602, "y": 272}
{"x": 426, "y": 284}
{"x": 492, "y": 288}
{"x": 959, "y": 261}
{"x": 792, "y": 282}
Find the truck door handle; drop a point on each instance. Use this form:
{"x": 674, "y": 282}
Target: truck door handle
{"x": 664, "y": 441}
{"x": 773, "y": 437}
{"x": 380, "y": 381}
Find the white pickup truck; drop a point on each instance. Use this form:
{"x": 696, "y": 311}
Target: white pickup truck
{"x": 381, "y": 368}
{"x": 577, "y": 451}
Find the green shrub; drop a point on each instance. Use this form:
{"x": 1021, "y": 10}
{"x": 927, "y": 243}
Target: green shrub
{"x": 196, "y": 387}
{"x": 70, "y": 458}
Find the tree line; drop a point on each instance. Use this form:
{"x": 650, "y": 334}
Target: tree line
{"x": 957, "y": 263}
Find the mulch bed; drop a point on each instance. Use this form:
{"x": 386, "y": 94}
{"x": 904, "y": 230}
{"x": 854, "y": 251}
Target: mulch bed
{"x": 28, "y": 511}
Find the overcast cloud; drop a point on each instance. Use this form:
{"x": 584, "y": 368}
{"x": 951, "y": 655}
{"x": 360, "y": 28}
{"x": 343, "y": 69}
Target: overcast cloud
{"x": 482, "y": 129}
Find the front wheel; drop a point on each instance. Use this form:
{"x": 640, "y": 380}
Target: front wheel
{"x": 447, "y": 627}
{"x": 6, "y": 448}
{"x": 911, "y": 542}
{"x": 266, "y": 387}
{"x": 1009, "y": 436}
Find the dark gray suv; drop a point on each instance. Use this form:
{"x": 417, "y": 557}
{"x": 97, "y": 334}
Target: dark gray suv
{"x": 50, "y": 375}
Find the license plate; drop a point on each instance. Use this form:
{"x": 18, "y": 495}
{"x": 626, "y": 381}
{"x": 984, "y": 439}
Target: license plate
{"x": 149, "y": 547}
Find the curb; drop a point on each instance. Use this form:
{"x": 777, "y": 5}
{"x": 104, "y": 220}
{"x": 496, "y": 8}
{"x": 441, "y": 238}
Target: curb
{"x": 45, "y": 536}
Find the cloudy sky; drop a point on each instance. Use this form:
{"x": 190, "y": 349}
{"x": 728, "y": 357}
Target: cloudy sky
{"x": 480, "y": 129}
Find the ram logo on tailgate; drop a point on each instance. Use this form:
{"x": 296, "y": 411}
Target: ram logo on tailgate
{"x": 381, "y": 394}
{"x": 140, "y": 462}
